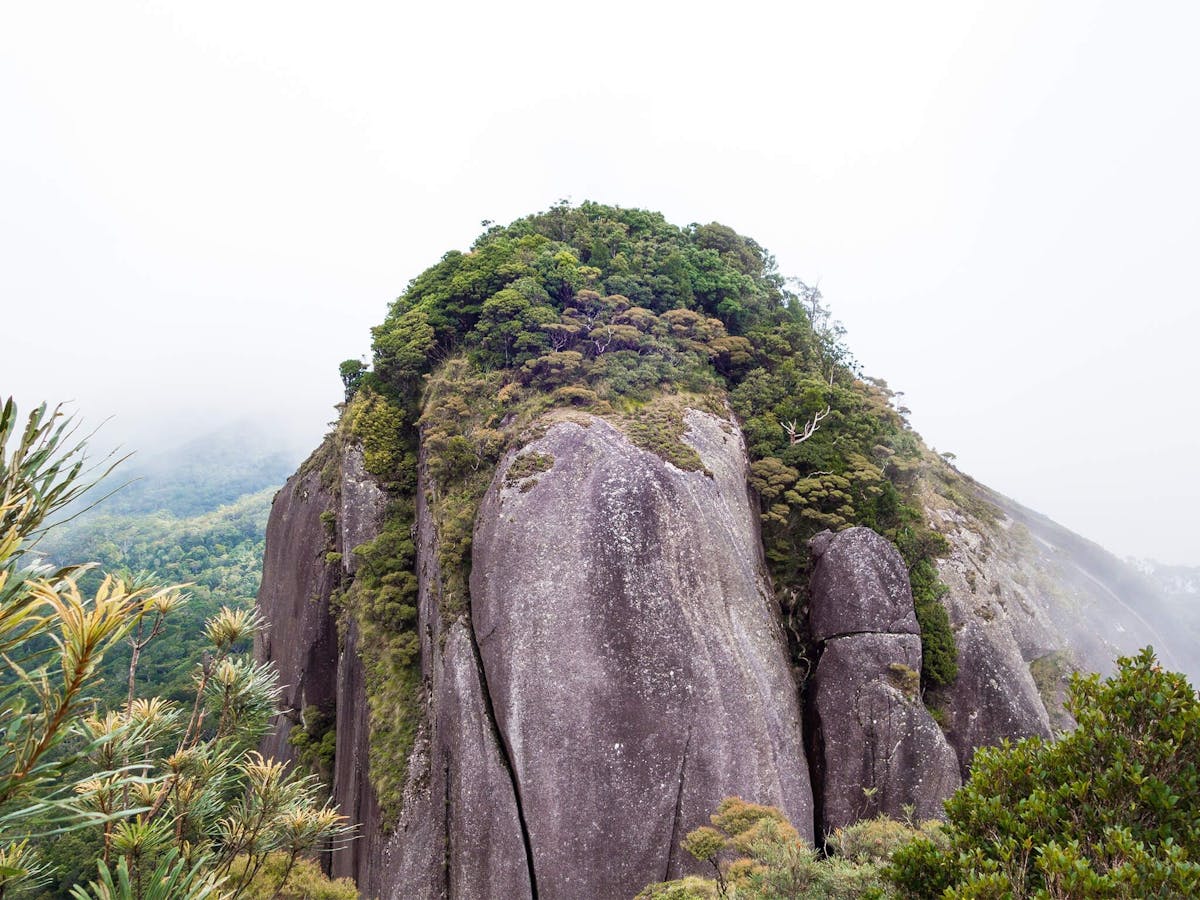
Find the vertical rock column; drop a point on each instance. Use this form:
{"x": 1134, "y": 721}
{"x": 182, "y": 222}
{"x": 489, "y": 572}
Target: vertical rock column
{"x": 876, "y": 747}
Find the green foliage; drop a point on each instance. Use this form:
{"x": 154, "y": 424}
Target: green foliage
{"x": 171, "y": 879}
{"x": 939, "y": 654}
{"x": 527, "y": 465}
{"x": 904, "y": 679}
{"x": 689, "y": 888}
{"x": 877, "y": 840}
{"x": 173, "y": 795}
{"x": 756, "y": 854}
{"x": 352, "y": 372}
{"x": 53, "y": 638}
{"x": 1108, "y": 810}
{"x": 658, "y": 427}
{"x": 382, "y": 427}
{"x": 381, "y": 600}
{"x": 204, "y": 797}
{"x": 305, "y": 881}
{"x": 315, "y": 741}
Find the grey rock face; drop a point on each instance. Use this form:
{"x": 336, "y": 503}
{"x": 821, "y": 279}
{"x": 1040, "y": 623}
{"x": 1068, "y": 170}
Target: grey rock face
{"x": 630, "y": 647}
{"x": 361, "y": 508}
{"x": 876, "y": 747}
{"x": 300, "y": 637}
{"x": 351, "y": 774}
{"x": 875, "y": 734}
{"x": 865, "y": 584}
{"x": 993, "y": 697}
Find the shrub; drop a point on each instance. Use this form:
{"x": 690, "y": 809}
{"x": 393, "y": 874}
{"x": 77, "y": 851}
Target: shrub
{"x": 1107, "y": 810}
{"x": 756, "y": 854}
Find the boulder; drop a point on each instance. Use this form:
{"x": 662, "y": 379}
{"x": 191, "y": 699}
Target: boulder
{"x": 864, "y": 585}
{"x": 880, "y": 750}
{"x": 633, "y": 653}
{"x": 876, "y": 748}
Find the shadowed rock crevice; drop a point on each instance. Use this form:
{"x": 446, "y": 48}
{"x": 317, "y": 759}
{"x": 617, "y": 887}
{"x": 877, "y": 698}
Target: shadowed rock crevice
{"x": 677, "y": 832}
{"x": 506, "y": 760}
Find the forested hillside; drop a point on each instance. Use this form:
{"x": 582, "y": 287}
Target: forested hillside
{"x": 218, "y": 552}
{"x": 195, "y": 514}
{"x": 201, "y": 474}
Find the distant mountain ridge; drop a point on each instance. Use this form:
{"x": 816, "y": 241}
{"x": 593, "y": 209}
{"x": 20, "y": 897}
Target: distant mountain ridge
{"x": 202, "y": 474}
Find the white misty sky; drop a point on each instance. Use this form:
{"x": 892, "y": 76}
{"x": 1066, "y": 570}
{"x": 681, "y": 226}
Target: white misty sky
{"x": 205, "y": 206}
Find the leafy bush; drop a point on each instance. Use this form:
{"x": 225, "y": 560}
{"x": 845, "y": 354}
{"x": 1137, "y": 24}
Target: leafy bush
{"x": 1108, "y": 810}
{"x": 756, "y": 854}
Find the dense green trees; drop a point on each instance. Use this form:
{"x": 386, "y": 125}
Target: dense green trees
{"x": 217, "y": 552}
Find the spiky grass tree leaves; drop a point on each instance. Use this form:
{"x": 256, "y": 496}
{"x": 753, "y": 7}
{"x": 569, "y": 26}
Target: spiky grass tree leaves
{"x": 177, "y": 798}
{"x": 171, "y": 879}
{"x": 52, "y": 635}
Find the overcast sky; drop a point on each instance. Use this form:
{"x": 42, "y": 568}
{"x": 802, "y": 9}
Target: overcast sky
{"x": 205, "y": 206}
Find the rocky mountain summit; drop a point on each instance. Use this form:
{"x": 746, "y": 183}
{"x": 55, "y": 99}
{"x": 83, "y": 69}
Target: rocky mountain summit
{"x": 612, "y": 530}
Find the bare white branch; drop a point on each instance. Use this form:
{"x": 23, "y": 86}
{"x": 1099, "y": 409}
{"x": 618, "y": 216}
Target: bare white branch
{"x": 800, "y": 435}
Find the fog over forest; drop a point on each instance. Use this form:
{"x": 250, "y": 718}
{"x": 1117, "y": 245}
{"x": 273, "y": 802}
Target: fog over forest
{"x": 207, "y": 207}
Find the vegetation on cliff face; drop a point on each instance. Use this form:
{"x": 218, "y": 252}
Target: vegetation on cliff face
{"x": 754, "y": 853}
{"x": 618, "y": 313}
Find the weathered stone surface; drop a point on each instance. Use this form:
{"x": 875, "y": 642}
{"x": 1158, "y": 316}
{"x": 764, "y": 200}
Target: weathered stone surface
{"x": 864, "y": 583}
{"x": 300, "y": 637}
{"x": 351, "y": 784}
{"x": 878, "y": 747}
{"x": 486, "y": 854}
{"x": 635, "y": 664}
{"x": 993, "y": 697}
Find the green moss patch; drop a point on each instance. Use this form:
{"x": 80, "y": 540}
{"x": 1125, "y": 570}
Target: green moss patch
{"x": 527, "y": 465}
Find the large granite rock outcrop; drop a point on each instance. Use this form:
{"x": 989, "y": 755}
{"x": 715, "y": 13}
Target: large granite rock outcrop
{"x": 631, "y": 649}
{"x": 624, "y": 670}
{"x": 876, "y": 749}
